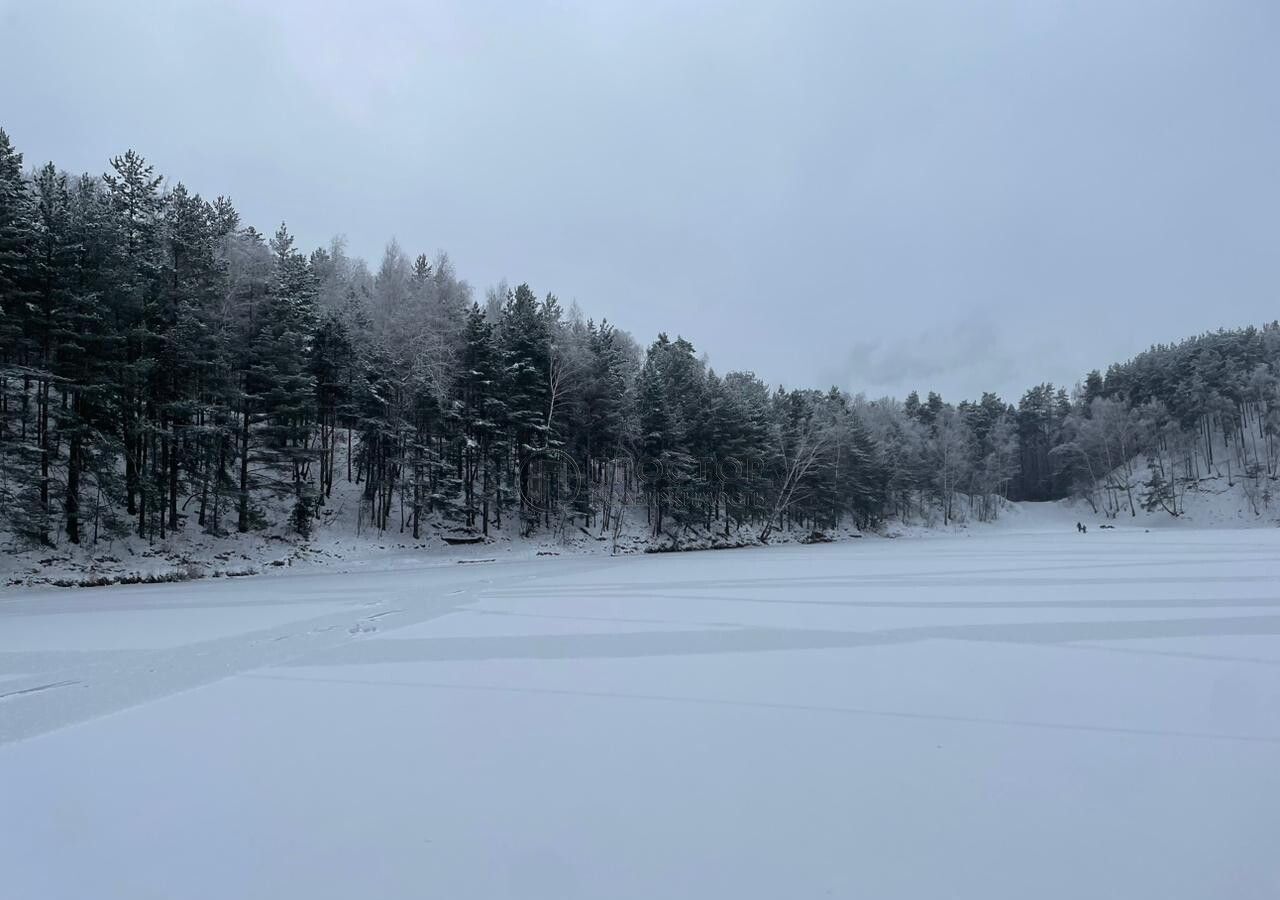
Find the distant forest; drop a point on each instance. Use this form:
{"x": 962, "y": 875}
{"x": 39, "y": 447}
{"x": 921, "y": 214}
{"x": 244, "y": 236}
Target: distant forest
{"x": 164, "y": 366}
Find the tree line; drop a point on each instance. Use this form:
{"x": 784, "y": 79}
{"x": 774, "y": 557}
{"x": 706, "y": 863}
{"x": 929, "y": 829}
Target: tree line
{"x": 164, "y": 366}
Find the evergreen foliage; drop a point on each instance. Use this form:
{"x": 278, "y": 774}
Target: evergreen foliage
{"x": 164, "y": 366}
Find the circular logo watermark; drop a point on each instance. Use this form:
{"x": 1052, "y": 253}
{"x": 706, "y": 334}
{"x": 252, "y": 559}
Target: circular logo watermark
{"x": 549, "y": 480}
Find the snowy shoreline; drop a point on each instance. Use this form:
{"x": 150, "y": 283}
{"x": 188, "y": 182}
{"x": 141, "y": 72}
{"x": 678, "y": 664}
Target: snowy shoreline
{"x": 200, "y": 557}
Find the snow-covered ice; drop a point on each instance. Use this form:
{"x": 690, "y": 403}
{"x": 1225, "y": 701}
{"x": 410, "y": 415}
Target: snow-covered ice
{"x": 997, "y": 714}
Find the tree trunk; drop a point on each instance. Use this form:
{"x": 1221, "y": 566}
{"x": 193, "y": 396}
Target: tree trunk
{"x": 243, "y": 524}
{"x": 173, "y": 479}
{"x": 42, "y": 393}
{"x": 71, "y": 504}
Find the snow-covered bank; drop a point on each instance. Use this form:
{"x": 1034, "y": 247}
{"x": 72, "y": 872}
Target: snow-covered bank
{"x": 335, "y": 546}
{"x": 190, "y": 556}
{"x": 342, "y": 538}
{"x": 1017, "y": 713}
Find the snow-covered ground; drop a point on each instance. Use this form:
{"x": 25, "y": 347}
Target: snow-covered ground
{"x": 341, "y": 543}
{"x": 1010, "y": 712}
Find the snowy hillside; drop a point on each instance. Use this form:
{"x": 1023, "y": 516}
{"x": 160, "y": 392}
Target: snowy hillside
{"x": 342, "y": 537}
{"x": 1213, "y": 479}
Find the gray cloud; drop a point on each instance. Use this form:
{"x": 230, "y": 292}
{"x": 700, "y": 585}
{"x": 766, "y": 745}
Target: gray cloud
{"x": 971, "y": 352}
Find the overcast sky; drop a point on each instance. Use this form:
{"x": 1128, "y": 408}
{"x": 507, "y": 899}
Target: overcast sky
{"x": 963, "y": 196}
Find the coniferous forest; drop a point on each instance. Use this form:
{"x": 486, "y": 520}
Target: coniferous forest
{"x": 165, "y": 366}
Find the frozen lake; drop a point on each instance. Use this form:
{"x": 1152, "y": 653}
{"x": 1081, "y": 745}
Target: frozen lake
{"x": 994, "y": 715}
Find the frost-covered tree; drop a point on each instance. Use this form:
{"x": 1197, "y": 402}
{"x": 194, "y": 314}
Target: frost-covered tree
{"x": 164, "y": 365}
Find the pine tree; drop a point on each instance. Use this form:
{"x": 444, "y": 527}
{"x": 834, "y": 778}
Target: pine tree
{"x": 16, "y": 236}
{"x": 157, "y": 356}
{"x": 525, "y": 361}
{"x": 284, "y": 386}
{"x": 481, "y": 415}
{"x": 133, "y": 189}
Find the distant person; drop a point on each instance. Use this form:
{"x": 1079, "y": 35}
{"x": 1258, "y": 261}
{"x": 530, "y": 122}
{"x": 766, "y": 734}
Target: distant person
{"x": 1079, "y": 528}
